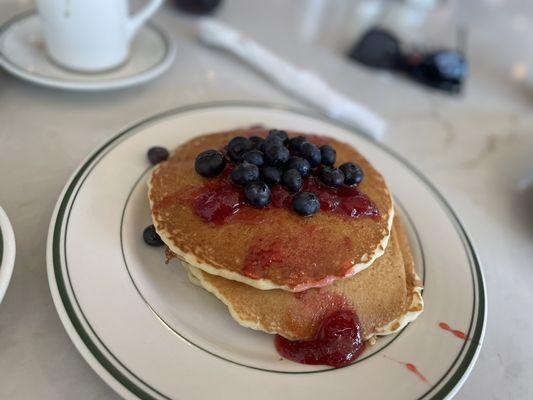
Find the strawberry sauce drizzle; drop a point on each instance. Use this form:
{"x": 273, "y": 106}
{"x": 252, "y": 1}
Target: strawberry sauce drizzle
{"x": 455, "y": 332}
{"x": 414, "y": 370}
{"x": 217, "y": 202}
{"x": 411, "y": 368}
{"x": 346, "y": 201}
{"x": 275, "y": 255}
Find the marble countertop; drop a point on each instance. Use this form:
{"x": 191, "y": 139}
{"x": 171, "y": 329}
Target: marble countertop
{"x": 477, "y": 149}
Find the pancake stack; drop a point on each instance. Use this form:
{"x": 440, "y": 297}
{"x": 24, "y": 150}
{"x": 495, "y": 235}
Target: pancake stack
{"x": 275, "y": 270}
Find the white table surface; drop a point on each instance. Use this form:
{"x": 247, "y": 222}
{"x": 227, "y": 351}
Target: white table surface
{"x": 478, "y": 149}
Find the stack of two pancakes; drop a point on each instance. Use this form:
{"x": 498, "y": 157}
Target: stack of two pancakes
{"x": 281, "y": 273}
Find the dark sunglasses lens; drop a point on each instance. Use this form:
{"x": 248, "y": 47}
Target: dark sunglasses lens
{"x": 450, "y": 64}
{"x": 443, "y": 69}
{"x": 377, "y": 48}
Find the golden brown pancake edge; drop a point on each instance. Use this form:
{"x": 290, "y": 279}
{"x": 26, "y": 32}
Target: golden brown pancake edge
{"x": 266, "y": 311}
{"x": 197, "y": 245}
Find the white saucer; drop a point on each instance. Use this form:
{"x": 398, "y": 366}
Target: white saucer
{"x": 23, "y": 54}
{"x": 7, "y": 252}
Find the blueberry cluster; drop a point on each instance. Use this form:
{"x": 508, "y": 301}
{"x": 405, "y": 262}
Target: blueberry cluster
{"x": 260, "y": 163}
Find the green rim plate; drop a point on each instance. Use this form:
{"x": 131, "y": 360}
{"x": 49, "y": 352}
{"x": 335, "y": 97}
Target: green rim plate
{"x": 136, "y": 388}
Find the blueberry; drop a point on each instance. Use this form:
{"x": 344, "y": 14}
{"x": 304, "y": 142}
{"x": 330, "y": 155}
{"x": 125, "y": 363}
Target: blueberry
{"x": 157, "y": 154}
{"x": 257, "y": 142}
{"x": 244, "y": 173}
{"x": 271, "y": 175}
{"x": 329, "y": 155}
{"x": 295, "y": 144}
{"x": 209, "y": 163}
{"x": 300, "y": 164}
{"x": 275, "y": 153}
{"x": 305, "y": 203}
{"x": 311, "y": 153}
{"x": 257, "y": 194}
{"x": 237, "y": 147}
{"x": 272, "y": 139}
{"x": 353, "y": 174}
{"x": 331, "y": 176}
{"x": 151, "y": 237}
{"x": 291, "y": 180}
{"x": 254, "y": 157}
{"x": 282, "y": 135}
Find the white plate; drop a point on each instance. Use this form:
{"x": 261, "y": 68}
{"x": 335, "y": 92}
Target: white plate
{"x": 23, "y": 54}
{"x": 7, "y": 252}
{"x": 151, "y": 334}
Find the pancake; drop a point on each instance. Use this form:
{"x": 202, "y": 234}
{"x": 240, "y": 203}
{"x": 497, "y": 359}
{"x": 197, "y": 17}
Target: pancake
{"x": 385, "y": 297}
{"x": 272, "y": 248}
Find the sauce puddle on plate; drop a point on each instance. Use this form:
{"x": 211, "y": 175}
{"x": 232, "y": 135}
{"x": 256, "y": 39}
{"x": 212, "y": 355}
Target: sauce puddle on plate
{"x": 337, "y": 343}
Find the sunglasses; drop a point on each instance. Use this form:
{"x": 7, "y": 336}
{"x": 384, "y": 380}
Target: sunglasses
{"x": 440, "y": 69}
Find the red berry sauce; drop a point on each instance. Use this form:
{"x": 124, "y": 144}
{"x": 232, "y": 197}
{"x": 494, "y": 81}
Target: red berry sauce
{"x": 263, "y": 255}
{"x": 293, "y": 257}
{"x": 218, "y": 201}
{"x": 347, "y": 201}
{"x": 280, "y": 197}
{"x": 338, "y": 342}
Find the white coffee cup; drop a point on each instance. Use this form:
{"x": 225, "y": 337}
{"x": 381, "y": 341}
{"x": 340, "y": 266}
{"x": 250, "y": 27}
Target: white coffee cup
{"x": 90, "y": 35}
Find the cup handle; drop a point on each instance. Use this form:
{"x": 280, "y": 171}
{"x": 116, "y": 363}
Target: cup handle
{"x": 135, "y": 22}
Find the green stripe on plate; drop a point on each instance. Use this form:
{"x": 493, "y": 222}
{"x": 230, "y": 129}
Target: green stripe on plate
{"x": 60, "y": 281}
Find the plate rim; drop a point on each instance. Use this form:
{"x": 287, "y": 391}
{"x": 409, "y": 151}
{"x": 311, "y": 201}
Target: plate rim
{"x": 129, "y": 390}
{"x": 7, "y": 252}
{"x": 112, "y": 84}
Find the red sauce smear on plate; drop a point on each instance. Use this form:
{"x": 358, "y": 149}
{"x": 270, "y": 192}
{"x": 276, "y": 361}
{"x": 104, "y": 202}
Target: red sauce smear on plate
{"x": 415, "y": 371}
{"x": 455, "y": 332}
{"x": 412, "y": 368}
{"x": 337, "y": 343}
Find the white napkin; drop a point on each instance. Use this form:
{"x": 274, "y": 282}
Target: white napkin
{"x": 299, "y": 82}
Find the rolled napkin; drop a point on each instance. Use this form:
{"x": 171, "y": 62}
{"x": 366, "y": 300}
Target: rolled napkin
{"x": 299, "y": 82}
